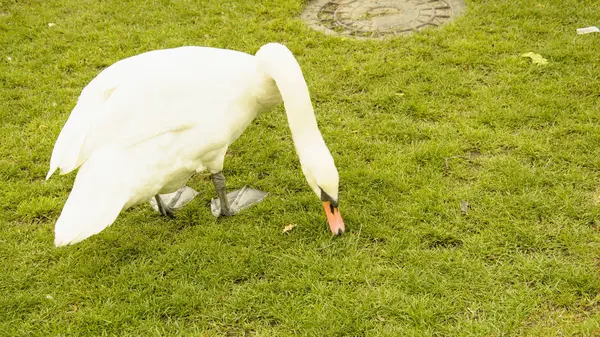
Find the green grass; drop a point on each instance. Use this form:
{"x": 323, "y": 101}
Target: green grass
{"x": 416, "y": 125}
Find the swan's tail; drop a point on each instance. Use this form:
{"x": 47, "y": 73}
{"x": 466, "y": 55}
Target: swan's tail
{"x": 68, "y": 144}
{"x": 98, "y": 196}
{"x": 67, "y": 153}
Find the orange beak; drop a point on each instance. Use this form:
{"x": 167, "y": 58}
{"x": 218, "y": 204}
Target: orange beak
{"x": 334, "y": 218}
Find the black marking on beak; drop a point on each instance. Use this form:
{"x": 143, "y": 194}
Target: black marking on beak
{"x": 326, "y": 197}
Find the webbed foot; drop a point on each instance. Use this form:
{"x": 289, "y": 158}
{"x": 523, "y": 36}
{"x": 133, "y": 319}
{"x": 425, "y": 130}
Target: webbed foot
{"x": 238, "y": 200}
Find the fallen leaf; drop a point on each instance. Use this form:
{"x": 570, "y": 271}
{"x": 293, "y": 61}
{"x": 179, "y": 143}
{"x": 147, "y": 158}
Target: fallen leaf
{"x": 536, "y": 58}
{"x": 289, "y": 227}
{"x": 464, "y": 207}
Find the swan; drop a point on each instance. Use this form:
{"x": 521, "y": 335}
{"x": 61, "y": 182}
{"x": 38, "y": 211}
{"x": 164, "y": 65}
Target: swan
{"x": 149, "y": 122}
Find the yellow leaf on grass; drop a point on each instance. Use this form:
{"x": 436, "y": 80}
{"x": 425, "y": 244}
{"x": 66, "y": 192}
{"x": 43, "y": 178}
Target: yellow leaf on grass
{"x": 536, "y": 58}
{"x": 289, "y": 227}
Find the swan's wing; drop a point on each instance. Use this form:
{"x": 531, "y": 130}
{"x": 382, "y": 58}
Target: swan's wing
{"x": 67, "y": 149}
{"x": 139, "y": 87}
{"x": 65, "y": 155}
{"x": 150, "y": 94}
{"x": 137, "y": 112}
{"x": 172, "y": 99}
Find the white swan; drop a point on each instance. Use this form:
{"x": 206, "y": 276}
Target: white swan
{"x": 147, "y": 123}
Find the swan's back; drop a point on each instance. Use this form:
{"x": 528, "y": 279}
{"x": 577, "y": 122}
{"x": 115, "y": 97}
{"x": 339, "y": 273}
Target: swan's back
{"x": 177, "y": 70}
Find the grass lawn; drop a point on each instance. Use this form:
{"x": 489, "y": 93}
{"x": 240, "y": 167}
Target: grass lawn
{"x": 418, "y": 126}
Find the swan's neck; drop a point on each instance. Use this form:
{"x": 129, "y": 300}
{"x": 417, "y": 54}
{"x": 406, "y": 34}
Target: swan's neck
{"x": 303, "y": 124}
{"x": 300, "y": 115}
{"x": 276, "y": 62}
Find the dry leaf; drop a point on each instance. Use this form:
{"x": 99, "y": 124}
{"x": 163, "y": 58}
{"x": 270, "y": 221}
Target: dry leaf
{"x": 464, "y": 207}
{"x": 536, "y": 58}
{"x": 289, "y": 227}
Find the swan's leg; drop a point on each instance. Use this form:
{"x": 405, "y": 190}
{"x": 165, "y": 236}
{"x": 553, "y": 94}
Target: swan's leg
{"x": 162, "y": 207}
{"x": 218, "y": 180}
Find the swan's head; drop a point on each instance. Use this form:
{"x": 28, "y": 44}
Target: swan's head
{"x": 322, "y": 176}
